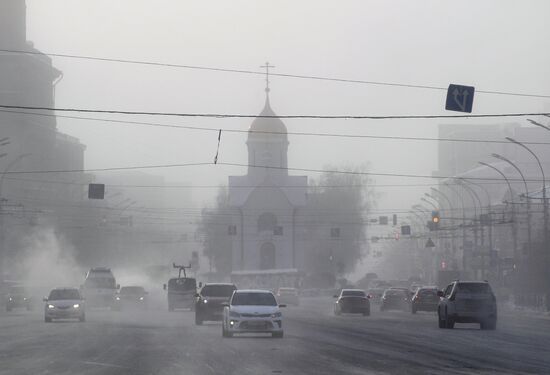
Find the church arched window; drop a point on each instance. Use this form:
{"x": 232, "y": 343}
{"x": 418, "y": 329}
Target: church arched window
{"x": 267, "y": 221}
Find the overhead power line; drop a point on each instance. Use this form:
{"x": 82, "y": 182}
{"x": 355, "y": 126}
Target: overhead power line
{"x": 234, "y": 115}
{"x": 208, "y": 129}
{"x": 285, "y": 75}
{"x": 156, "y": 166}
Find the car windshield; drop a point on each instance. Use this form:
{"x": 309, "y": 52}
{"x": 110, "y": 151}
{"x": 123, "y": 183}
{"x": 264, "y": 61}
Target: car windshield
{"x": 132, "y": 290}
{"x": 353, "y": 293}
{"x": 17, "y": 290}
{"x": 474, "y": 288}
{"x": 64, "y": 294}
{"x": 217, "y": 290}
{"x": 253, "y": 299}
{"x": 100, "y": 282}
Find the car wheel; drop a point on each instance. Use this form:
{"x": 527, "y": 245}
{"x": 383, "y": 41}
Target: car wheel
{"x": 449, "y": 322}
{"x": 278, "y": 335}
{"x": 47, "y": 320}
{"x": 489, "y": 324}
{"x": 440, "y": 321}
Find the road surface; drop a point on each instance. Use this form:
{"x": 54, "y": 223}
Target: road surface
{"x": 315, "y": 342}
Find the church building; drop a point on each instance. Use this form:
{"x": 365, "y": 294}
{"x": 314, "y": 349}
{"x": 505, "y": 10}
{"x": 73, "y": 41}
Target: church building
{"x": 266, "y": 200}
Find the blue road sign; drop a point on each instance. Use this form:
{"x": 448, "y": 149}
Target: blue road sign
{"x": 460, "y": 98}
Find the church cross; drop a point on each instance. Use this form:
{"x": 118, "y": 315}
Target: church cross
{"x": 267, "y": 66}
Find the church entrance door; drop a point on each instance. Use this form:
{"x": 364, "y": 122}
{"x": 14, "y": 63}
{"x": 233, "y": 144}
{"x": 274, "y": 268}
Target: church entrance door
{"x": 267, "y": 256}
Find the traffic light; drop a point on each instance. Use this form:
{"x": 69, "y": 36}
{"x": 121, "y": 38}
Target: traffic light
{"x": 435, "y": 220}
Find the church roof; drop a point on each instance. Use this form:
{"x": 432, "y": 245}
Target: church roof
{"x": 267, "y": 124}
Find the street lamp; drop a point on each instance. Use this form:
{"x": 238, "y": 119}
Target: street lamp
{"x": 464, "y": 261}
{"x": 514, "y": 224}
{"x": 545, "y": 202}
{"x": 500, "y": 157}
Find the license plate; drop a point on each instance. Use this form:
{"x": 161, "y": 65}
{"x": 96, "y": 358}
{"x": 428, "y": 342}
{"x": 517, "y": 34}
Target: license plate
{"x": 256, "y": 324}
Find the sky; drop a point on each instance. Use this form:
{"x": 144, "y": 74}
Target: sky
{"x": 494, "y": 45}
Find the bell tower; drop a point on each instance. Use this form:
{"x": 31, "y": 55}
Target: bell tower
{"x": 267, "y": 140}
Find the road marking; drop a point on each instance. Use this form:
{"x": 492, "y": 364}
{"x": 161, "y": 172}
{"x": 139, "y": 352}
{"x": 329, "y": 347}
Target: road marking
{"x": 104, "y": 364}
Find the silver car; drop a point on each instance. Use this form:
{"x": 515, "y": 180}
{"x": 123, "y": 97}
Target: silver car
{"x": 467, "y": 302}
{"x": 64, "y": 303}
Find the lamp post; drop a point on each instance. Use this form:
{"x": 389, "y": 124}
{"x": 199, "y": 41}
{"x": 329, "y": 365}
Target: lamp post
{"x": 545, "y": 202}
{"x": 500, "y": 157}
{"x": 477, "y": 221}
{"x": 489, "y": 211}
{"x": 430, "y": 203}
{"x": 451, "y": 232}
{"x": 514, "y": 223}
{"x": 464, "y": 258}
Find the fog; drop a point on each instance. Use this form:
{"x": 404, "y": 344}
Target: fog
{"x": 298, "y": 153}
{"x": 426, "y": 43}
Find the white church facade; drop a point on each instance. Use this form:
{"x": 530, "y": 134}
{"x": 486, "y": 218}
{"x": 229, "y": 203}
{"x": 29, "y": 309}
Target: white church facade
{"x": 266, "y": 201}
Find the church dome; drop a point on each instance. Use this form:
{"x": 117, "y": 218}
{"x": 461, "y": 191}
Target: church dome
{"x": 267, "y": 124}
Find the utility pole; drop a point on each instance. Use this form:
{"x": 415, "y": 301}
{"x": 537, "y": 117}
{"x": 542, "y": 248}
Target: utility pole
{"x": 546, "y": 250}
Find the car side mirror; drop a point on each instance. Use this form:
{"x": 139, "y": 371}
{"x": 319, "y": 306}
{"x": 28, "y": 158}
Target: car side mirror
{"x": 225, "y": 304}
{"x": 164, "y": 286}
{"x": 440, "y": 293}
{"x": 282, "y": 305}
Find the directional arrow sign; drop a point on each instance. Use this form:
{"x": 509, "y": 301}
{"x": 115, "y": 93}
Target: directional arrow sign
{"x": 460, "y": 98}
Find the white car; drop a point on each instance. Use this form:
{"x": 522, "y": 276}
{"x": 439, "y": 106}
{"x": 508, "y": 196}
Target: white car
{"x": 252, "y": 311}
{"x": 64, "y": 303}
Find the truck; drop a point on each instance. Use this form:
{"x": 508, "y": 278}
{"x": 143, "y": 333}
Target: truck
{"x": 181, "y": 291}
{"x": 99, "y": 287}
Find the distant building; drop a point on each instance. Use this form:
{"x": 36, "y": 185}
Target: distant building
{"x": 35, "y": 144}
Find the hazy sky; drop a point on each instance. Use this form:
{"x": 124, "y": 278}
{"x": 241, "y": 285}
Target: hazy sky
{"x": 493, "y": 45}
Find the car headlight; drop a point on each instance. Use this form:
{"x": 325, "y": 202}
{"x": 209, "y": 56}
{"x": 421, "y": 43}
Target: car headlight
{"x": 205, "y": 301}
{"x": 24, "y": 298}
{"x": 51, "y": 306}
{"x": 117, "y": 298}
{"x": 278, "y": 314}
{"x": 234, "y": 314}
{"x": 11, "y": 299}
{"x": 141, "y": 298}
{"x": 76, "y": 306}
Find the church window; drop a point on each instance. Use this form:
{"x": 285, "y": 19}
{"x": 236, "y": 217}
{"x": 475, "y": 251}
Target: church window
{"x": 267, "y": 222}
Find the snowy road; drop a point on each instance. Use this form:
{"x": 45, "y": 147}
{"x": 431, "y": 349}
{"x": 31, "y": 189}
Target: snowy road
{"x": 315, "y": 342}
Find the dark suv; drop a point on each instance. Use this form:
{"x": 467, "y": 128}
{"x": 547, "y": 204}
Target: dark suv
{"x": 467, "y": 302}
{"x": 210, "y": 299}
